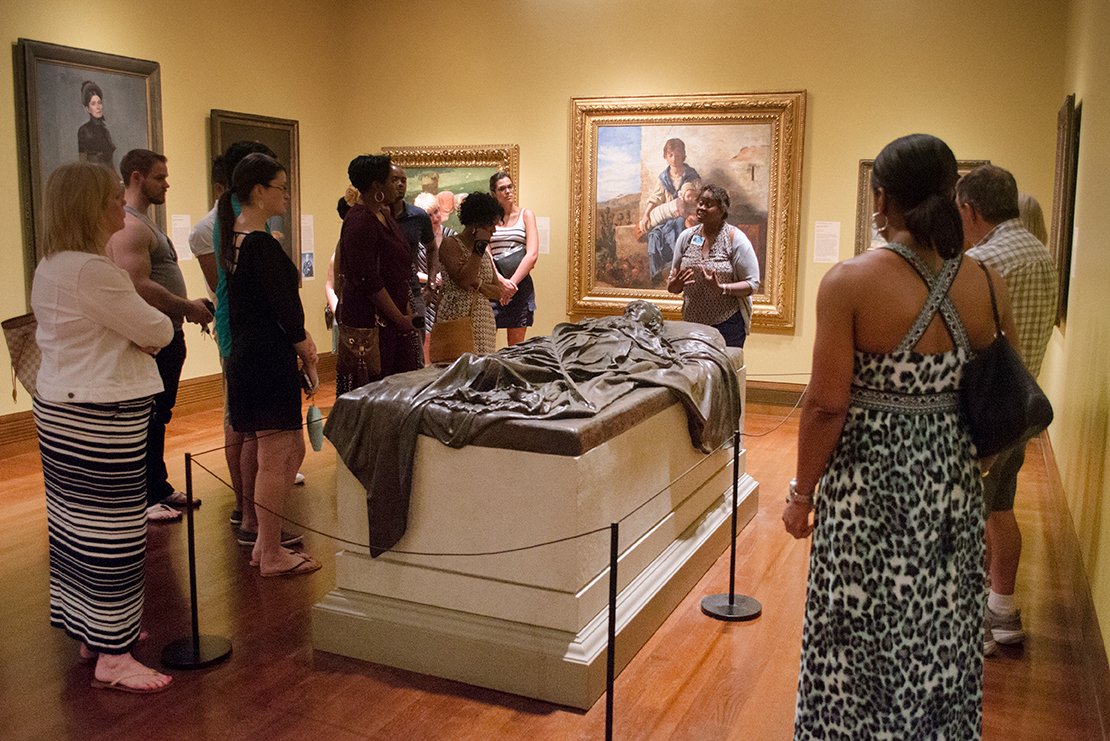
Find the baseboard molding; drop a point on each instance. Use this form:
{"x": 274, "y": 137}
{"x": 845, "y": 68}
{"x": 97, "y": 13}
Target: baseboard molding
{"x": 1082, "y": 620}
{"x": 193, "y": 394}
{"x": 17, "y": 428}
{"x": 772, "y": 394}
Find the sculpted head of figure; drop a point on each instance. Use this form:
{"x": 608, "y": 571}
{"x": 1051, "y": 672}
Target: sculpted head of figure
{"x": 646, "y": 313}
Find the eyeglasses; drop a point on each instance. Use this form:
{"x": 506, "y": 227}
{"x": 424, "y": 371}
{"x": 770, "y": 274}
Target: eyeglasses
{"x": 279, "y": 187}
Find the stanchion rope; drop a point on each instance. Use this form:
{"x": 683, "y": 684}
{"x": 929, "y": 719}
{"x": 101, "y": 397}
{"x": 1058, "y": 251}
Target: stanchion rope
{"x": 556, "y": 541}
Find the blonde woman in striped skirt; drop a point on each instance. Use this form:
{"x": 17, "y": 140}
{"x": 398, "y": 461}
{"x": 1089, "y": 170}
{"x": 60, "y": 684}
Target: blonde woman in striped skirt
{"x": 92, "y": 409}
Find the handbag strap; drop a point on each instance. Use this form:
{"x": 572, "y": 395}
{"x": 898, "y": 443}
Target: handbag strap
{"x": 994, "y": 303}
{"x": 474, "y": 301}
{"x": 339, "y": 285}
{"x": 338, "y": 281}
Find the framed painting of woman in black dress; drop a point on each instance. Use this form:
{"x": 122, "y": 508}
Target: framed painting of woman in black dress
{"x": 76, "y": 104}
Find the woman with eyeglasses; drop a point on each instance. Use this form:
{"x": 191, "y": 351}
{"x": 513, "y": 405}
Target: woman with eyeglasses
{"x": 267, "y": 326}
{"x": 515, "y": 246}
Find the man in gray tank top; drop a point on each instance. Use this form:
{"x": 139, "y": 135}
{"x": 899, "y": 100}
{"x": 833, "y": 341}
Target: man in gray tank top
{"x": 145, "y": 252}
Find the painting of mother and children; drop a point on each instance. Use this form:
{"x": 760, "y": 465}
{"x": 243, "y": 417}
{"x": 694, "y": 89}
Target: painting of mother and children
{"x": 648, "y": 181}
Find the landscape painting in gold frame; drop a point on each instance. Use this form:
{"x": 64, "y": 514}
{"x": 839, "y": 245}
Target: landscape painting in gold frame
{"x": 748, "y": 143}
{"x": 459, "y": 169}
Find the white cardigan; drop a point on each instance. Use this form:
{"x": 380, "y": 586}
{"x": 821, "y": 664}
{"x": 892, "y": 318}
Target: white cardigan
{"x": 92, "y": 325}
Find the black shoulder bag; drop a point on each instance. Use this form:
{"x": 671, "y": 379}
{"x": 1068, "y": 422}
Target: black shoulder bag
{"x": 1000, "y": 401}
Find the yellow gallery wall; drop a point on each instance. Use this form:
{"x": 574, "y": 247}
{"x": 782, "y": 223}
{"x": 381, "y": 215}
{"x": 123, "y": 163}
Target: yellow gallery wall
{"x": 359, "y": 76}
{"x": 287, "y": 69}
{"x": 1077, "y": 372}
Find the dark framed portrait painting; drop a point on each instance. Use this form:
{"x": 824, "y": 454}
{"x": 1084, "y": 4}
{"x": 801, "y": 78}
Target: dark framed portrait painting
{"x": 76, "y": 104}
{"x": 638, "y": 165}
{"x": 282, "y": 136}
{"x": 450, "y": 172}
{"x": 1063, "y": 200}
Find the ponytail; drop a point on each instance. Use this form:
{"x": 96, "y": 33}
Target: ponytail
{"x": 936, "y": 222}
{"x": 254, "y": 169}
{"x": 225, "y": 219}
{"x": 918, "y": 173}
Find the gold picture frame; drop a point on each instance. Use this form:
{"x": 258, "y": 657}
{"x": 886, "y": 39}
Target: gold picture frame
{"x": 1063, "y": 200}
{"x": 461, "y": 168}
{"x": 50, "y": 116}
{"x": 866, "y": 238}
{"x": 749, "y": 143}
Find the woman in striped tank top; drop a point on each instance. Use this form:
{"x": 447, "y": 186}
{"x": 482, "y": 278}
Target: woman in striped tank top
{"x": 515, "y": 247}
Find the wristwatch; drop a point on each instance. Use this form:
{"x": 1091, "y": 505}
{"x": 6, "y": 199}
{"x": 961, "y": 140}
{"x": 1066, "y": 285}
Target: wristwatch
{"x": 794, "y": 496}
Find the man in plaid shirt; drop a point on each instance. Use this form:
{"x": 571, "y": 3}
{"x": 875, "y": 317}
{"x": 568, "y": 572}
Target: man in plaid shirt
{"x": 988, "y": 201}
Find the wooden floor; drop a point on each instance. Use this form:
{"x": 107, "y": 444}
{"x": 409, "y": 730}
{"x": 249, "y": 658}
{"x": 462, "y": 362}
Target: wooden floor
{"x": 695, "y": 679}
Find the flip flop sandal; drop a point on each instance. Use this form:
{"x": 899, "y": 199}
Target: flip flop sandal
{"x": 162, "y": 513}
{"x": 287, "y": 539}
{"x": 180, "y": 499}
{"x": 117, "y": 684}
{"x": 305, "y": 566}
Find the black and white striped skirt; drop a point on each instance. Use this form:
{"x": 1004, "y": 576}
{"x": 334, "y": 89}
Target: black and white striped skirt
{"x": 94, "y": 468}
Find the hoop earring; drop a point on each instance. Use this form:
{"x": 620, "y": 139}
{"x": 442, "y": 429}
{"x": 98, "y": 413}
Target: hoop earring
{"x": 379, "y": 197}
{"x": 881, "y": 230}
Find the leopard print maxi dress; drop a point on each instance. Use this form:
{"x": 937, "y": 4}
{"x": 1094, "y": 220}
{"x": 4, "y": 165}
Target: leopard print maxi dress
{"x": 892, "y": 645}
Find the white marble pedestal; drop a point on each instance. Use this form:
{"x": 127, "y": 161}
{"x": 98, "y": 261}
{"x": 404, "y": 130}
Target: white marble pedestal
{"x": 534, "y": 622}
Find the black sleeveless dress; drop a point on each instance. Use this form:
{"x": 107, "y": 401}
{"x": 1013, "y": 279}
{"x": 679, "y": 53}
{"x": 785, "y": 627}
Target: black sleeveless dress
{"x": 266, "y": 319}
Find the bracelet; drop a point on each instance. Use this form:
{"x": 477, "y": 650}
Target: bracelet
{"x": 795, "y": 498}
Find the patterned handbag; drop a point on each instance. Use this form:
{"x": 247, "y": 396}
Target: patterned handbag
{"x": 451, "y": 338}
{"x": 359, "y": 354}
{"x": 19, "y": 333}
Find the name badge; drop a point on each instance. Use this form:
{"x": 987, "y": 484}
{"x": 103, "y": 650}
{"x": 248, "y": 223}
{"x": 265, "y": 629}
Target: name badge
{"x": 698, "y": 240}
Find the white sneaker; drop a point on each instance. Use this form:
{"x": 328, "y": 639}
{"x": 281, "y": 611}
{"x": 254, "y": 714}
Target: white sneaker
{"x": 989, "y": 644}
{"x": 1005, "y": 628}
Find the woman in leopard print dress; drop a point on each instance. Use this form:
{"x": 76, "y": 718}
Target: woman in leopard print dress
{"x": 892, "y": 642}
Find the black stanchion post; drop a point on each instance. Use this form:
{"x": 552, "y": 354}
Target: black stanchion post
{"x": 197, "y": 651}
{"x": 732, "y": 607}
{"x": 611, "y": 657}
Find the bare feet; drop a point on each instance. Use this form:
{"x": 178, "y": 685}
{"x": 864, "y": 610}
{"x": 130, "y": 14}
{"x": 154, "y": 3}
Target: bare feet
{"x": 122, "y": 672}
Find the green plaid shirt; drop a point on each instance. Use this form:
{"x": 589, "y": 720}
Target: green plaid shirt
{"x": 1031, "y": 278}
